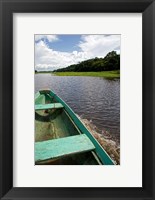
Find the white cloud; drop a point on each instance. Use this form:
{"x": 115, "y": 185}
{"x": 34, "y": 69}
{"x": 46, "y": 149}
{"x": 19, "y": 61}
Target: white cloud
{"x": 91, "y": 46}
{"x": 46, "y": 58}
{"x": 50, "y": 38}
{"x": 99, "y": 45}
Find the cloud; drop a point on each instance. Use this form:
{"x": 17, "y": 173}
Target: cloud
{"x": 48, "y": 59}
{"x": 50, "y": 38}
{"x": 99, "y": 45}
{"x": 90, "y": 46}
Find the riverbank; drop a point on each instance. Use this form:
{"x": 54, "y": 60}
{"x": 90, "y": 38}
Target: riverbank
{"x": 110, "y": 146}
{"x": 105, "y": 74}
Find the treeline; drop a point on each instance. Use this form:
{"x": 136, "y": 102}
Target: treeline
{"x": 110, "y": 62}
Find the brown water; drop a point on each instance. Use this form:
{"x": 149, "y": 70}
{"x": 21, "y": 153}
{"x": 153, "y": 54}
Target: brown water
{"x": 94, "y": 98}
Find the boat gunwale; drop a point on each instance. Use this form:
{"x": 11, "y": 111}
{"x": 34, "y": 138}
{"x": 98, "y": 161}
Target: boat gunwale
{"x": 103, "y": 155}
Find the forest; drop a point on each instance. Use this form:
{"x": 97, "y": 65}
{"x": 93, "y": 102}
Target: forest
{"x": 110, "y": 62}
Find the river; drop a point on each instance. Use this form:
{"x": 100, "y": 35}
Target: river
{"x": 93, "y": 98}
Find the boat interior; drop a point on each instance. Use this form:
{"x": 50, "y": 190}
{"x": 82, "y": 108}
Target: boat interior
{"x": 52, "y": 123}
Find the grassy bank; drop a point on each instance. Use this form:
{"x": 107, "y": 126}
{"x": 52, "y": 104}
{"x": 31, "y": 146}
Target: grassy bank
{"x": 106, "y": 74}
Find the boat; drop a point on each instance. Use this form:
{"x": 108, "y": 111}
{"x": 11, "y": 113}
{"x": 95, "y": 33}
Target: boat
{"x": 60, "y": 136}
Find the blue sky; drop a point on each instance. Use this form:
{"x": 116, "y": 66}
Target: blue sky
{"x": 57, "y": 51}
{"x": 66, "y": 43}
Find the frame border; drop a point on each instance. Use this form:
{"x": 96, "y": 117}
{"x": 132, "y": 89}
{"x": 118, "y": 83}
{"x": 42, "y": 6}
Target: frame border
{"x": 7, "y": 8}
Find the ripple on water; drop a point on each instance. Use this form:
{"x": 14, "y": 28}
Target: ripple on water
{"x": 94, "y": 98}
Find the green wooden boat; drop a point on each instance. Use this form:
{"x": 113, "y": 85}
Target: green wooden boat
{"x": 60, "y": 136}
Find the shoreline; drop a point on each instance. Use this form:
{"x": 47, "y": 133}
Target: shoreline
{"x": 105, "y": 74}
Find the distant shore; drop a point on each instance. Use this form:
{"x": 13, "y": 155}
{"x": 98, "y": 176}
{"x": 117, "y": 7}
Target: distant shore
{"x": 105, "y": 74}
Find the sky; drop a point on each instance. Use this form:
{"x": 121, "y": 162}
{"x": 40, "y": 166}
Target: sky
{"x": 57, "y": 51}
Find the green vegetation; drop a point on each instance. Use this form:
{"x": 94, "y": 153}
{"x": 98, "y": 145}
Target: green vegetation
{"x": 108, "y": 67}
{"x": 106, "y": 74}
{"x": 109, "y": 63}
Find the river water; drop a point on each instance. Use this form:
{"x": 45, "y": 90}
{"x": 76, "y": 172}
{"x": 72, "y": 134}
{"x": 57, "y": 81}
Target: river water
{"x": 93, "y": 98}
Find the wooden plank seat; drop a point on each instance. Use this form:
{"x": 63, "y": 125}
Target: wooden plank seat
{"x": 55, "y": 148}
{"x": 48, "y": 106}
